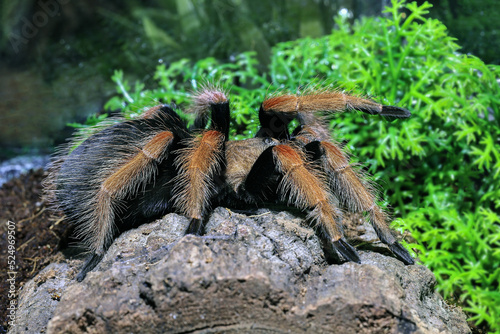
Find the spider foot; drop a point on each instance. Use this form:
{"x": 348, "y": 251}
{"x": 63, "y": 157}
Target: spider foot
{"x": 346, "y": 251}
{"x": 91, "y": 262}
{"x": 394, "y": 112}
{"x": 195, "y": 227}
{"x": 401, "y": 253}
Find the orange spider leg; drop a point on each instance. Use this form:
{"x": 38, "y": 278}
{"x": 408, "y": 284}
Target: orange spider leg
{"x": 127, "y": 179}
{"x": 198, "y": 164}
{"x": 303, "y": 187}
{"x": 277, "y": 112}
{"x": 353, "y": 193}
{"x": 203, "y": 158}
{"x": 98, "y": 230}
{"x": 329, "y": 101}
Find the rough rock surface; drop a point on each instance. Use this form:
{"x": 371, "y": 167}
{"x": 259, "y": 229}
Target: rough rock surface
{"x": 250, "y": 274}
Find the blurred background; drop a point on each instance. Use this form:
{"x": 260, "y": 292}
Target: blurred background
{"x": 57, "y": 56}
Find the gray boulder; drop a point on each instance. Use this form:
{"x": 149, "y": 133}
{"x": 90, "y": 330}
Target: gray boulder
{"x": 264, "y": 273}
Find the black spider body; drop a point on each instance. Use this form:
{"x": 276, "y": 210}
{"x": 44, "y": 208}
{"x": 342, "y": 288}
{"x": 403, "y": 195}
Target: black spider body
{"x": 138, "y": 170}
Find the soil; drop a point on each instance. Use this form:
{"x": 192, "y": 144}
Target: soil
{"x": 38, "y": 233}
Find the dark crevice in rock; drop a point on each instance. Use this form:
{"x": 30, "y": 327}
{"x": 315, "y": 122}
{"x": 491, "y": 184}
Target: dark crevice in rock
{"x": 147, "y": 294}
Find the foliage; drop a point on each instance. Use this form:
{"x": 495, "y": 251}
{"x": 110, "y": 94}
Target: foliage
{"x": 440, "y": 169}
{"x": 133, "y": 35}
{"x": 474, "y": 23}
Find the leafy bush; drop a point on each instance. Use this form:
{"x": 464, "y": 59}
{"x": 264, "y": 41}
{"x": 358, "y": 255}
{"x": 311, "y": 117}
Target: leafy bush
{"x": 440, "y": 169}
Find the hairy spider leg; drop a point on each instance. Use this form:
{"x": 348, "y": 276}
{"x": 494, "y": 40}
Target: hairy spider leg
{"x": 198, "y": 164}
{"x": 277, "y": 112}
{"x": 126, "y": 180}
{"x": 202, "y": 161}
{"x": 330, "y": 101}
{"x": 134, "y": 150}
{"x": 314, "y": 135}
{"x": 304, "y": 188}
{"x": 347, "y": 184}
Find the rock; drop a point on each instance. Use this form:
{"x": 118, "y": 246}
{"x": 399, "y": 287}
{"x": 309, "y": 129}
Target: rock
{"x": 40, "y": 297}
{"x": 249, "y": 274}
{"x": 14, "y": 167}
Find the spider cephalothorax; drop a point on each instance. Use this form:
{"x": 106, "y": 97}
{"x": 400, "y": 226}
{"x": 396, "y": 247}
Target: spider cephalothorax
{"x": 138, "y": 170}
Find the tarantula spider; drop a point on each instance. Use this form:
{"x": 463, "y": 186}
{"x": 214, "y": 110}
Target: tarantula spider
{"x": 138, "y": 170}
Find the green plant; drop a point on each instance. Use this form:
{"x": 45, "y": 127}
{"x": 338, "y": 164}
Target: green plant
{"x": 440, "y": 169}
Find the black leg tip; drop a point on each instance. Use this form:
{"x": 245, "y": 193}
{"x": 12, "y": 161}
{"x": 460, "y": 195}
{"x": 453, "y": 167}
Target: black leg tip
{"x": 81, "y": 275}
{"x": 195, "y": 227}
{"x": 346, "y": 251}
{"x": 401, "y": 253}
{"x": 91, "y": 262}
{"x": 394, "y": 112}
